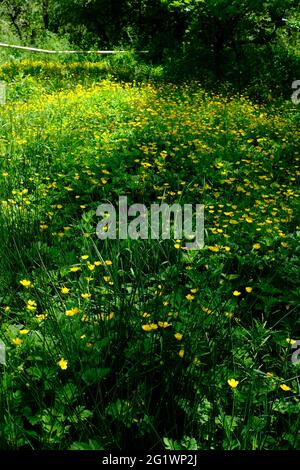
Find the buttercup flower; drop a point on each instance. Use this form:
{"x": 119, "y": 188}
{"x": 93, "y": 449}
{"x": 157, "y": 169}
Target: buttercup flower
{"x": 290, "y": 341}
{"x": 190, "y": 297}
{"x": 150, "y": 327}
{"x": 236, "y": 293}
{"x": 178, "y": 336}
{"x": 63, "y": 363}
{"x": 164, "y": 324}
{"x": 86, "y": 295}
{"x": 72, "y": 312}
{"x": 285, "y": 387}
{"x": 232, "y": 383}
{"x": 31, "y": 305}
{"x": 26, "y": 283}
{"x": 17, "y": 341}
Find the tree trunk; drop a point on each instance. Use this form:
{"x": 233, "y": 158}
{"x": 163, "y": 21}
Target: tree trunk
{"x": 14, "y": 19}
{"x": 46, "y": 14}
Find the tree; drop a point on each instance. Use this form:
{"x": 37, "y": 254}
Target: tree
{"x": 230, "y": 24}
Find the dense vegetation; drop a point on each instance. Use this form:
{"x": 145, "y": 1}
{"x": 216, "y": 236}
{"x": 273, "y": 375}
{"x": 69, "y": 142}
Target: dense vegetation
{"x": 245, "y": 43}
{"x": 141, "y": 343}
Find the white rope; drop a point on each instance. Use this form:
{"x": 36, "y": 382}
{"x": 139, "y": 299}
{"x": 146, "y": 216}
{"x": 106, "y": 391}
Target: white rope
{"x": 47, "y": 51}
{"x": 2, "y": 353}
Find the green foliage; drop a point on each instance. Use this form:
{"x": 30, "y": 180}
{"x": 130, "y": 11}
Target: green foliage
{"x": 120, "y": 343}
{"x": 249, "y": 46}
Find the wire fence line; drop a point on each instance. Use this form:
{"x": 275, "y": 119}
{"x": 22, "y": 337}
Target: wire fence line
{"x": 47, "y": 51}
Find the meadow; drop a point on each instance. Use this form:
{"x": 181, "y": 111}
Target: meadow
{"x": 122, "y": 344}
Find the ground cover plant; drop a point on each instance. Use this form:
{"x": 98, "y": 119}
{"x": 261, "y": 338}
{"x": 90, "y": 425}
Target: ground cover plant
{"x": 125, "y": 343}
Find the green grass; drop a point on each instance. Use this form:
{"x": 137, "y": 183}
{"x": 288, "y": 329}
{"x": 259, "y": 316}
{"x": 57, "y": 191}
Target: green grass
{"x": 84, "y": 371}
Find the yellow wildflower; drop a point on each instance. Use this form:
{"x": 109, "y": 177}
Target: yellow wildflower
{"x": 17, "y": 341}
{"x": 214, "y": 248}
{"x": 232, "y": 383}
{"x": 290, "y": 341}
{"x": 63, "y": 364}
{"x": 207, "y": 310}
{"x": 178, "y": 336}
{"x": 236, "y": 293}
{"x": 41, "y": 317}
{"x": 64, "y": 290}
{"x": 31, "y": 305}
{"x": 285, "y": 387}
{"x": 164, "y": 324}
{"x": 150, "y": 327}
{"x": 73, "y": 311}
{"x": 86, "y": 296}
{"x": 25, "y": 283}
{"x": 74, "y": 269}
{"x": 190, "y": 297}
